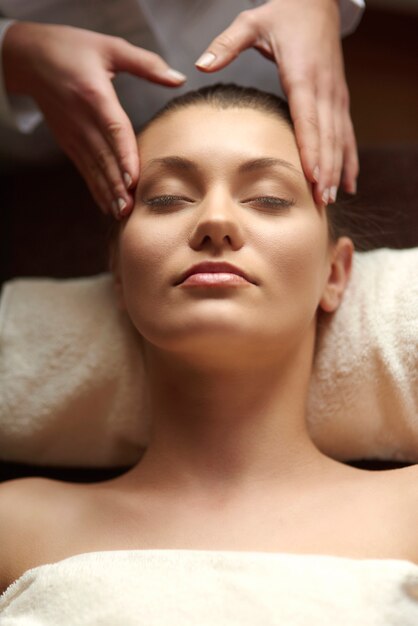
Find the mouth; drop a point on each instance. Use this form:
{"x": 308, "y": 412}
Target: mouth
{"x": 214, "y": 273}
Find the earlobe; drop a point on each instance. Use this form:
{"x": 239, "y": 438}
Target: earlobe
{"x": 340, "y": 272}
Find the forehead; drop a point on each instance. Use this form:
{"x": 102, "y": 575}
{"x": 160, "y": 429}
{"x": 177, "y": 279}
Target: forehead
{"x": 204, "y": 131}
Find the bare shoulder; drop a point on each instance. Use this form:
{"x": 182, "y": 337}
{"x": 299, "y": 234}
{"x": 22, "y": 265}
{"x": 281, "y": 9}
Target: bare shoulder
{"x": 406, "y": 479}
{"x": 28, "y": 487}
{"x": 404, "y": 496}
{"x": 23, "y": 500}
{"x": 26, "y": 510}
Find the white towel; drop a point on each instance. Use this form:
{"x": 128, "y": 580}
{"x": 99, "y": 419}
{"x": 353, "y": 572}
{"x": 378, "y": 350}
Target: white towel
{"x": 363, "y": 399}
{"x": 73, "y": 389}
{"x": 72, "y": 384}
{"x": 204, "y": 588}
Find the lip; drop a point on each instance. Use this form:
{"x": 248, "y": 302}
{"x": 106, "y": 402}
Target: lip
{"x": 211, "y": 267}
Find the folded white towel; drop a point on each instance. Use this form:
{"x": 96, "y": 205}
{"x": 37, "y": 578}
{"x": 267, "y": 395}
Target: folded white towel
{"x": 363, "y": 399}
{"x": 73, "y": 388}
{"x": 72, "y": 384}
{"x": 204, "y": 588}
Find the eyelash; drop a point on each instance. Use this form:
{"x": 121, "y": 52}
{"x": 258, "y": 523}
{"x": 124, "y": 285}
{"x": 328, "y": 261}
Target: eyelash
{"x": 165, "y": 200}
{"x": 270, "y": 201}
{"x": 273, "y": 201}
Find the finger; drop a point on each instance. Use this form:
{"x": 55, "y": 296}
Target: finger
{"x": 327, "y": 142}
{"x": 240, "y": 35}
{"x": 350, "y": 159}
{"x": 76, "y": 141}
{"x": 338, "y": 151}
{"x": 103, "y": 158}
{"x": 126, "y": 57}
{"x": 117, "y": 129}
{"x": 110, "y": 131}
{"x": 95, "y": 181}
{"x": 303, "y": 109}
{"x": 264, "y": 47}
{"x": 101, "y": 167}
{"x": 99, "y": 187}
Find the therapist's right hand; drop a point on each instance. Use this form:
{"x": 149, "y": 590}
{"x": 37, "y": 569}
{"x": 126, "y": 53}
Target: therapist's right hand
{"x": 68, "y": 72}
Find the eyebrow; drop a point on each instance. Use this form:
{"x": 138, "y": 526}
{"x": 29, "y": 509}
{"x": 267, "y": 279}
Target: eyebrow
{"x": 266, "y": 163}
{"x": 176, "y": 163}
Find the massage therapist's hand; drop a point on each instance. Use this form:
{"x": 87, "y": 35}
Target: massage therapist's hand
{"x": 68, "y": 72}
{"x": 303, "y": 38}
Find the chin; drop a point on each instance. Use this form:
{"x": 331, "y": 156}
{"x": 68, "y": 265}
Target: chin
{"x": 216, "y": 344}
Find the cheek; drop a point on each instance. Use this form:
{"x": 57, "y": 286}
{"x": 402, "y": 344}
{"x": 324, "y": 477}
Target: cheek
{"x": 145, "y": 246}
{"x": 296, "y": 257}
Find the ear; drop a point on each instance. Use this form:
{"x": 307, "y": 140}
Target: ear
{"x": 340, "y": 271}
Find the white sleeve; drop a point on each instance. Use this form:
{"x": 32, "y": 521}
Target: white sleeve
{"x": 19, "y": 112}
{"x": 351, "y": 12}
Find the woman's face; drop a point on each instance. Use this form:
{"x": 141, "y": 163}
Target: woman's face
{"x": 223, "y": 186}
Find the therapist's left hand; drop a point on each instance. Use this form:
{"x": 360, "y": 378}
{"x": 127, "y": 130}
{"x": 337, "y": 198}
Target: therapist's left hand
{"x": 303, "y": 38}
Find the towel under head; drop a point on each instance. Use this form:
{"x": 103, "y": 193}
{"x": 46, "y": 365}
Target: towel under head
{"x": 72, "y": 374}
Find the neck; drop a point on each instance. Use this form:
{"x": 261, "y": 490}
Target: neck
{"x": 228, "y": 429}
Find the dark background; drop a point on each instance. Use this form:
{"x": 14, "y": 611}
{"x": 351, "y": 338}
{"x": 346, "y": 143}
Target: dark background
{"x": 381, "y": 60}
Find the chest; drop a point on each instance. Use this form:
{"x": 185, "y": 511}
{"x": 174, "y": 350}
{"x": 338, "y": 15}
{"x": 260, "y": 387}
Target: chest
{"x": 362, "y": 528}
{"x": 357, "y": 525}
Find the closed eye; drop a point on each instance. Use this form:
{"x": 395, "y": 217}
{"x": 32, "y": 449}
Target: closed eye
{"x": 265, "y": 201}
{"x": 270, "y": 201}
{"x": 166, "y": 200}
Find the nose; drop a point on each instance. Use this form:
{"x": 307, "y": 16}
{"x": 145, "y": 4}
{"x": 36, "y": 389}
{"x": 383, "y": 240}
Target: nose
{"x": 218, "y": 223}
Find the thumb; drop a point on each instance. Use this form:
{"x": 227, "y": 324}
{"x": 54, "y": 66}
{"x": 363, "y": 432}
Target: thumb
{"x": 240, "y": 35}
{"x": 125, "y": 57}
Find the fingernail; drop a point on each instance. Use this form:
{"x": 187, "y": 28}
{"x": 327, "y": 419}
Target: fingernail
{"x": 333, "y": 194}
{"x": 325, "y": 196}
{"x": 119, "y": 207}
{"x": 115, "y": 209}
{"x": 122, "y": 204}
{"x": 316, "y": 174}
{"x": 206, "y": 59}
{"x": 176, "y": 75}
{"x": 128, "y": 180}
{"x": 354, "y": 187}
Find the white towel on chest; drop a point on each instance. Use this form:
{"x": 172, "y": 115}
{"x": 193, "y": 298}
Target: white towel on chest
{"x": 73, "y": 388}
{"x": 204, "y": 588}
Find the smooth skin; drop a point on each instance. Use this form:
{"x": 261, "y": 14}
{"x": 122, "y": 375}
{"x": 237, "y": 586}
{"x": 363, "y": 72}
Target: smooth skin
{"x": 230, "y": 464}
{"x": 69, "y": 72}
